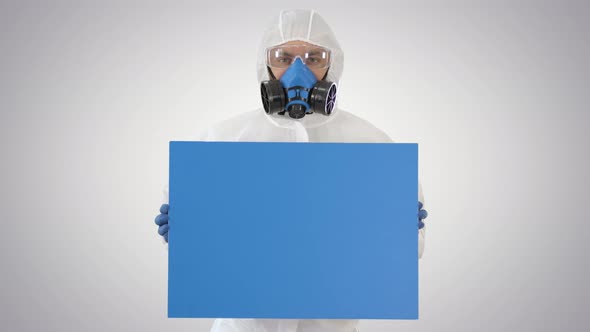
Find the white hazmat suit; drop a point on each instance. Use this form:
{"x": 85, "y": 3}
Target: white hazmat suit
{"x": 258, "y": 126}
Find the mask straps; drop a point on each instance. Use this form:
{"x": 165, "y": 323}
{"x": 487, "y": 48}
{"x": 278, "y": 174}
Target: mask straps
{"x": 326, "y": 75}
{"x": 272, "y": 76}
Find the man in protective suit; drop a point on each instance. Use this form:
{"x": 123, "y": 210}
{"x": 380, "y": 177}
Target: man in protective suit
{"x": 297, "y": 48}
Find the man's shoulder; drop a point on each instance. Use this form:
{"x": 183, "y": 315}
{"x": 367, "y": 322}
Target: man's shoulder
{"x": 230, "y": 127}
{"x": 240, "y": 118}
{"x": 367, "y": 130}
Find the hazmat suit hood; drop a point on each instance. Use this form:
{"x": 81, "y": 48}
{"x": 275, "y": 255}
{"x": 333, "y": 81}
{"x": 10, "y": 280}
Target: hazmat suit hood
{"x": 308, "y": 26}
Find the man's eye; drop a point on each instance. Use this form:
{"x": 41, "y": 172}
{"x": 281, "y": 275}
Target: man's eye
{"x": 284, "y": 59}
{"x": 314, "y": 61}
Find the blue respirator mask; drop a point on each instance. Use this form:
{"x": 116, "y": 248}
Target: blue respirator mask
{"x": 298, "y": 92}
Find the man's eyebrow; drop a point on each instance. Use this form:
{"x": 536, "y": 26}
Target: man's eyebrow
{"x": 282, "y": 53}
{"x": 315, "y": 52}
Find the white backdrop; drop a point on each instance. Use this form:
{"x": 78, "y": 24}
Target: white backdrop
{"x": 495, "y": 93}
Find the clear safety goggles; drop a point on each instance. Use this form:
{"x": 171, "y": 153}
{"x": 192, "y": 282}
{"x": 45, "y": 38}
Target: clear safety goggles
{"x": 315, "y": 57}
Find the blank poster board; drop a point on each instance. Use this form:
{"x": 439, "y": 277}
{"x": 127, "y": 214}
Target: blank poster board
{"x": 293, "y": 230}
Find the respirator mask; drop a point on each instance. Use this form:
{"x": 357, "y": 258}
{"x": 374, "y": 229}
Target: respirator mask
{"x": 298, "y": 92}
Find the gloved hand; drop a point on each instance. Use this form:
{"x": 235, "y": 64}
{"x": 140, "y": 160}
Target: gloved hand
{"x": 422, "y": 214}
{"x": 162, "y": 221}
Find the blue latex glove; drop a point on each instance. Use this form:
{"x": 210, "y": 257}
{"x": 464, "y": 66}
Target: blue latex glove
{"x": 162, "y": 221}
{"x": 422, "y": 214}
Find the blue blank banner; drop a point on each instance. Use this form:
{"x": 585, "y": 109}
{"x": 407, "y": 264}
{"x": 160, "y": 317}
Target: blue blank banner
{"x": 293, "y": 230}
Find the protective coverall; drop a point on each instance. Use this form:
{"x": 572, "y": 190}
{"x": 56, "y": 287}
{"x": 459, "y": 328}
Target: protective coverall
{"x": 258, "y": 126}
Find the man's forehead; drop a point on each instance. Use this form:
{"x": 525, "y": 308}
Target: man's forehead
{"x": 299, "y": 46}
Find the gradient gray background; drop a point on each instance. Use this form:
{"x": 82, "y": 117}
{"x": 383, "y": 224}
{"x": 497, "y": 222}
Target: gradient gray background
{"x": 496, "y": 94}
